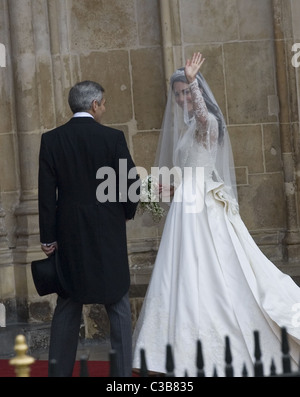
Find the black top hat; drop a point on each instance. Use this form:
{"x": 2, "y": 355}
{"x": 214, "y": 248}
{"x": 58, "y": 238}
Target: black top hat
{"x": 47, "y": 276}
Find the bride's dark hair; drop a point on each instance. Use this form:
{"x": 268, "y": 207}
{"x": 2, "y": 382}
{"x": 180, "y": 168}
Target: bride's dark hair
{"x": 211, "y": 107}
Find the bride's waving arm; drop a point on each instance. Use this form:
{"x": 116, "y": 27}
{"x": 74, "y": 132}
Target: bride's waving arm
{"x": 205, "y": 134}
{"x": 191, "y": 69}
{"x": 199, "y": 106}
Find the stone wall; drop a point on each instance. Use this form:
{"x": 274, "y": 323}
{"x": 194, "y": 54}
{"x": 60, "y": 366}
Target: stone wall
{"x": 132, "y": 47}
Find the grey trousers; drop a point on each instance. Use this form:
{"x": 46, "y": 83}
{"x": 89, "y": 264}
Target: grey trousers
{"x": 65, "y": 332}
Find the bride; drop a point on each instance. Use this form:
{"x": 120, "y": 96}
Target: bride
{"x": 210, "y": 280}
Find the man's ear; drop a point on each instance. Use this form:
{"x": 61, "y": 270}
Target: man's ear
{"x": 94, "y": 105}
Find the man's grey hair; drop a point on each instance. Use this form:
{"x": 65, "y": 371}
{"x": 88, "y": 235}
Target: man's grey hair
{"x": 82, "y": 95}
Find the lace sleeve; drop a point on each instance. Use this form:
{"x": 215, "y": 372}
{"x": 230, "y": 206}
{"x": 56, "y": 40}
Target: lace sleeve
{"x": 207, "y": 132}
{"x": 200, "y": 109}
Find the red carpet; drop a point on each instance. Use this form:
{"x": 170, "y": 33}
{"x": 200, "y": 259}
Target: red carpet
{"x": 39, "y": 369}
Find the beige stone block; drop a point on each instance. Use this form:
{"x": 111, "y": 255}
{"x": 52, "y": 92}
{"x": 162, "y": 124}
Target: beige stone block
{"x": 111, "y": 70}
{"x": 175, "y": 22}
{"x": 21, "y": 280}
{"x": 283, "y": 17}
{"x": 45, "y": 89}
{"x": 289, "y": 171}
{"x": 5, "y": 102}
{"x": 9, "y": 202}
{"x": 293, "y": 252}
{"x": 8, "y": 163}
{"x": 28, "y": 223}
{"x": 247, "y": 148}
{"x": 293, "y": 101}
{"x": 148, "y": 87}
{"x": 271, "y": 243}
{"x": 4, "y": 251}
{"x": 148, "y": 19}
{"x": 144, "y": 238}
{"x": 286, "y": 134}
{"x": 142, "y": 259}
{"x": 144, "y": 146}
{"x": 7, "y": 281}
{"x": 70, "y": 74}
{"x": 255, "y": 19}
{"x": 241, "y": 174}
{"x": 262, "y": 203}
{"x": 268, "y": 238}
{"x": 29, "y": 147}
{"x": 296, "y": 140}
{"x": 62, "y": 82}
{"x": 272, "y": 149}
{"x": 26, "y": 93}
{"x": 250, "y": 81}
{"x": 209, "y": 21}
{"x": 275, "y": 252}
{"x": 295, "y": 14}
{"x": 99, "y": 24}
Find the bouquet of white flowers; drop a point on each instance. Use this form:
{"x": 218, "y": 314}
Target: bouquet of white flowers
{"x": 149, "y": 198}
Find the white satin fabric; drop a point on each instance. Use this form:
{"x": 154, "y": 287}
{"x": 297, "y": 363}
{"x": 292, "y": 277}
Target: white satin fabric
{"x": 210, "y": 280}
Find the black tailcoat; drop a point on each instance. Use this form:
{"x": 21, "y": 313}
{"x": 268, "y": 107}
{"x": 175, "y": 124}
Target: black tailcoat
{"x": 91, "y": 234}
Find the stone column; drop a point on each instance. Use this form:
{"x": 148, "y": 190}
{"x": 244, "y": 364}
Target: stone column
{"x": 32, "y": 69}
{"x": 8, "y": 178}
{"x": 6, "y": 270}
{"x": 292, "y": 239}
{"x": 172, "y": 48}
{"x": 42, "y": 73}
{"x": 34, "y": 110}
{"x": 166, "y": 28}
{"x": 27, "y": 123}
{"x": 65, "y": 66}
{"x": 5, "y": 254}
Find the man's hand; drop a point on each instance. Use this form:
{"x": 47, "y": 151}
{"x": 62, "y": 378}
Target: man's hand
{"x": 49, "y": 248}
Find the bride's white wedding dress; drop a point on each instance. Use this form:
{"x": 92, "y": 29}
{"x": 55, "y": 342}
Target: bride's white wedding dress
{"x": 210, "y": 280}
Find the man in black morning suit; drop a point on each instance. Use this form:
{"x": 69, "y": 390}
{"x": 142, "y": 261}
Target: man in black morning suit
{"x": 86, "y": 224}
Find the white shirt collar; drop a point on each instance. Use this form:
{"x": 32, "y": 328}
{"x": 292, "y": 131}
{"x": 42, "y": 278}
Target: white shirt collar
{"x": 82, "y": 114}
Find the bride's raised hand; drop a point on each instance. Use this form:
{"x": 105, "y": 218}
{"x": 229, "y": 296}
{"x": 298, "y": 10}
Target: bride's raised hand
{"x": 192, "y": 66}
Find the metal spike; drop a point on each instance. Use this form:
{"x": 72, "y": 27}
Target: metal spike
{"x": 215, "y": 372}
{"x": 169, "y": 362}
{"x": 52, "y": 368}
{"x": 144, "y": 369}
{"x": 273, "y": 368}
{"x": 258, "y": 365}
{"x": 228, "y": 358}
{"x": 200, "y": 361}
{"x": 257, "y": 351}
{"x": 84, "y": 372}
{"x": 286, "y": 361}
{"x": 244, "y": 371}
{"x": 113, "y": 372}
